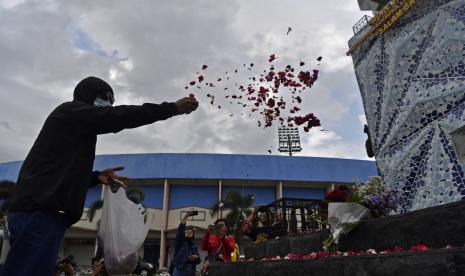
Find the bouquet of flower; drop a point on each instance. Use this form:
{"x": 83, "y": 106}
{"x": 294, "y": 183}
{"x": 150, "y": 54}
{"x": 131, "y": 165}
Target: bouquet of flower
{"x": 375, "y": 196}
{"x": 346, "y": 207}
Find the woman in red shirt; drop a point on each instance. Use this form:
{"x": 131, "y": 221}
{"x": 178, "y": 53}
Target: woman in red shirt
{"x": 218, "y": 245}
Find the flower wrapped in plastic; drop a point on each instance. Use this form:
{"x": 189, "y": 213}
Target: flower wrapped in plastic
{"x": 343, "y": 217}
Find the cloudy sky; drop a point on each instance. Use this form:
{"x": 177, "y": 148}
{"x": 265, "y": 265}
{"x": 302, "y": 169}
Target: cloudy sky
{"x": 148, "y": 50}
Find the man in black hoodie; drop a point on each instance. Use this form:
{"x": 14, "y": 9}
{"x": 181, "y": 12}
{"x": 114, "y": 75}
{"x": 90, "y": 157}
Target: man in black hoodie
{"x": 54, "y": 178}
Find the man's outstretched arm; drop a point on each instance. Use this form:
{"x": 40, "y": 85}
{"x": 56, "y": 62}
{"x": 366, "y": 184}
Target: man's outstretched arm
{"x": 101, "y": 120}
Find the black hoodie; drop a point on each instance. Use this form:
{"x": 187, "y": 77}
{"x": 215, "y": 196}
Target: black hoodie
{"x": 57, "y": 171}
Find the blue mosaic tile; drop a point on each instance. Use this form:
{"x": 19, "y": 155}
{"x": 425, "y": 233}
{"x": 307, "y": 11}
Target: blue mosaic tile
{"x": 412, "y": 83}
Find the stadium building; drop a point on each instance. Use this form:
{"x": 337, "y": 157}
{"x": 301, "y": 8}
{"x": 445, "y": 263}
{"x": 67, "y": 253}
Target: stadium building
{"x": 176, "y": 183}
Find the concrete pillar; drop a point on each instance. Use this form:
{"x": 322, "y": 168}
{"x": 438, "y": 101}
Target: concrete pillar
{"x": 279, "y": 190}
{"x": 220, "y": 195}
{"x": 164, "y": 230}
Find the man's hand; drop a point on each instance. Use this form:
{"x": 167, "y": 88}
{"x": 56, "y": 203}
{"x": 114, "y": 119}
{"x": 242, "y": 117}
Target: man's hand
{"x": 187, "y": 105}
{"x": 188, "y": 214}
{"x": 108, "y": 175}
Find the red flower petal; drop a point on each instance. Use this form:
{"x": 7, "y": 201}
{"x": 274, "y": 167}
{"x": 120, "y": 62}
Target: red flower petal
{"x": 272, "y": 57}
{"x": 270, "y": 103}
{"x": 311, "y": 256}
{"x": 420, "y": 247}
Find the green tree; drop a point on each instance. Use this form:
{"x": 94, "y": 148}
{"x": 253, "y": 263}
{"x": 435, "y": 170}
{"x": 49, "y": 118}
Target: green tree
{"x": 238, "y": 207}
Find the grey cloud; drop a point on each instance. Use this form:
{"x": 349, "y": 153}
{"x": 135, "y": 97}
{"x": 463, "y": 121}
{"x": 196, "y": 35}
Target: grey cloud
{"x": 6, "y": 125}
{"x": 167, "y": 42}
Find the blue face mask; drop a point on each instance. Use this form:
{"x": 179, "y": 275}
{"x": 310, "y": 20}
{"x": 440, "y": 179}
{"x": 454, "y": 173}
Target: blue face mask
{"x": 101, "y": 103}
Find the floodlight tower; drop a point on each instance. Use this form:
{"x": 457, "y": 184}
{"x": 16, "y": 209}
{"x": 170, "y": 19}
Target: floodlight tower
{"x": 289, "y": 140}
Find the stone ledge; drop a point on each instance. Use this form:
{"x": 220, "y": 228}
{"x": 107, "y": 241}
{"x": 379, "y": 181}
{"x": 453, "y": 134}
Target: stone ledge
{"x": 436, "y": 227}
{"x": 433, "y": 262}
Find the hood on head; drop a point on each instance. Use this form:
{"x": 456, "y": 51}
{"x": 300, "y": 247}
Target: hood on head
{"x": 90, "y": 88}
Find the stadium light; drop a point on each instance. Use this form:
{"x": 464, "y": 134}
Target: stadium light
{"x": 289, "y": 140}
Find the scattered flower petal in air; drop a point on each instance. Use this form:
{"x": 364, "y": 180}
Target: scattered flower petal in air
{"x": 272, "y": 57}
{"x": 265, "y": 92}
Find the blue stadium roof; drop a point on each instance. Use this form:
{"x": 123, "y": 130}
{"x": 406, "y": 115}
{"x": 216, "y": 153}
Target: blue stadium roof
{"x": 227, "y": 166}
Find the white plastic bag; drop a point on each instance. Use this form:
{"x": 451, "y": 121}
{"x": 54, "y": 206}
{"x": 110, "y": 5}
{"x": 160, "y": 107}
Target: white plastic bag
{"x": 5, "y": 249}
{"x": 343, "y": 213}
{"x": 122, "y": 231}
